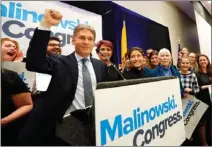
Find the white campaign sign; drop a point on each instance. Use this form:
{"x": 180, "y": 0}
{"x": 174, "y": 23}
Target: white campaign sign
{"x": 20, "y": 18}
{"x": 19, "y": 67}
{"x": 193, "y": 109}
{"x": 140, "y": 115}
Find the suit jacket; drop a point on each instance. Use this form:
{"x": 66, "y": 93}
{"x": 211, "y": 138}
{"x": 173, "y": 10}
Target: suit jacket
{"x": 61, "y": 90}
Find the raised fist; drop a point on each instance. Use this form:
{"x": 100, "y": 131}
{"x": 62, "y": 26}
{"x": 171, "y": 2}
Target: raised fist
{"x": 51, "y": 18}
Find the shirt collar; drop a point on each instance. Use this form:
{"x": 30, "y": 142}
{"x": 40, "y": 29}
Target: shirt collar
{"x": 164, "y": 68}
{"x": 79, "y": 58}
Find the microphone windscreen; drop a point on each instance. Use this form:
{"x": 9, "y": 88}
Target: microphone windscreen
{"x": 97, "y": 50}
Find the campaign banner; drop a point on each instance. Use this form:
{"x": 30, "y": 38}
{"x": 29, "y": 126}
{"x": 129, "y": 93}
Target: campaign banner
{"x": 140, "y": 115}
{"x": 19, "y": 67}
{"x": 20, "y": 18}
{"x": 193, "y": 110}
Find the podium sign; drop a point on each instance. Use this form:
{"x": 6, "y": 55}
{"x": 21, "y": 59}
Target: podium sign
{"x": 140, "y": 115}
{"x": 193, "y": 110}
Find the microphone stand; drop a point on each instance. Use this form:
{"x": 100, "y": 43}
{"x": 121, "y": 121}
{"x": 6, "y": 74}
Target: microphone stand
{"x": 112, "y": 65}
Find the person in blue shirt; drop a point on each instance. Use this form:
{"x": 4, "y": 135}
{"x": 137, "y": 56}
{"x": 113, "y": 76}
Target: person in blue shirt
{"x": 165, "y": 68}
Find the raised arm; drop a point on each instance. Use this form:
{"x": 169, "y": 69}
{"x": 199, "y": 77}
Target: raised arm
{"x": 36, "y": 54}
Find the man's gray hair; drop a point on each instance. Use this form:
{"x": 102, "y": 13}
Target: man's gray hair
{"x": 84, "y": 27}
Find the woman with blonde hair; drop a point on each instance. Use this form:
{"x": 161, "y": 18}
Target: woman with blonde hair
{"x": 10, "y": 50}
{"x": 193, "y": 59}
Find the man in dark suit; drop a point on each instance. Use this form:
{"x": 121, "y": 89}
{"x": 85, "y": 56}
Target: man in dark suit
{"x": 71, "y": 77}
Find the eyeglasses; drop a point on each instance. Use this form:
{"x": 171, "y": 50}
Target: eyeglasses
{"x": 54, "y": 45}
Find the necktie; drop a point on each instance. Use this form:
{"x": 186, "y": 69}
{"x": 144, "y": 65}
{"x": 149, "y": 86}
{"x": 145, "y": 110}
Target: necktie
{"x": 88, "y": 91}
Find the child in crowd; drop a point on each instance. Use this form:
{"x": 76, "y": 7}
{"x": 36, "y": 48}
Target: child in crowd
{"x": 189, "y": 83}
{"x": 188, "y": 78}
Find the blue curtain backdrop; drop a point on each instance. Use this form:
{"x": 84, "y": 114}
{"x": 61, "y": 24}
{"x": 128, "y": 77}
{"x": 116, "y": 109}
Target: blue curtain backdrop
{"x": 141, "y": 31}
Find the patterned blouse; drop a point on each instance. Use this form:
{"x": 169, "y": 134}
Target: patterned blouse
{"x": 190, "y": 81}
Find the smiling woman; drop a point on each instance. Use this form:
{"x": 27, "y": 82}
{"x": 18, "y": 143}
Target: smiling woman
{"x": 10, "y": 50}
{"x": 204, "y": 77}
{"x": 136, "y": 56}
{"x": 105, "y": 51}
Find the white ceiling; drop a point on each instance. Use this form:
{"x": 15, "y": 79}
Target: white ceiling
{"x": 187, "y": 7}
{"x": 207, "y": 5}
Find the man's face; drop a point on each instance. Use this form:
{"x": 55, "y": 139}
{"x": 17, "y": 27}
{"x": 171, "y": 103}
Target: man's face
{"x": 84, "y": 42}
{"x": 165, "y": 59}
{"x": 148, "y": 52}
{"x": 54, "y": 47}
{"x": 9, "y": 51}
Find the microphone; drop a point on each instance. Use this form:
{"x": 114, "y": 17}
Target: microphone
{"x": 98, "y": 51}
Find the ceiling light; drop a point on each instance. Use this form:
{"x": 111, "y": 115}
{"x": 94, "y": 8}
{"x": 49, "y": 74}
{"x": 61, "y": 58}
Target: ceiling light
{"x": 209, "y": 1}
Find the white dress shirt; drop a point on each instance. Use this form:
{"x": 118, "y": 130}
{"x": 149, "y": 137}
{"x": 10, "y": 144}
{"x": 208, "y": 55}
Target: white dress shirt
{"x": 79, "y": 100}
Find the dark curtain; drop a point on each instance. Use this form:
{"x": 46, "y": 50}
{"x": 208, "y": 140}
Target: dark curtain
{"x": 141, "y": 31}
{"x": 158, "y": 37}
{"x": 108, "y": 32}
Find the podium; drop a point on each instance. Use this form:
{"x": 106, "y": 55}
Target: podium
{"x": 129, "y": 113}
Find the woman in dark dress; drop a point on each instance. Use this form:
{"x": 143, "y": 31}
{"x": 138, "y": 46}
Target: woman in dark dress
{"x": 106, "y": 48}
{"x": 16, "y": 102}
{"x": 204, "y": 77}
{"x": 137, "y": 71}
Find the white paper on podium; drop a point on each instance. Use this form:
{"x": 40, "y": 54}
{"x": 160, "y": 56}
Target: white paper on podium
{"x": 209, "y": 88}
{"x": 42, "y": 81}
